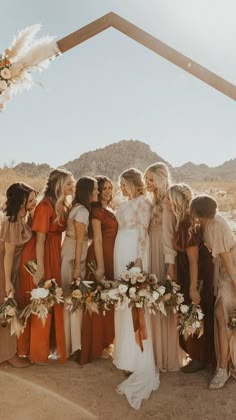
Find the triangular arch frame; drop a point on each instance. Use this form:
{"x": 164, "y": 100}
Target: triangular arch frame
{"x": 144, "y": 38}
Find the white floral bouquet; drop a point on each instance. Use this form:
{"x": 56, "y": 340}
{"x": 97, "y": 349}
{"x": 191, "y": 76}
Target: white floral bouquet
{"x": 43, "y": 298}
{"x": 136, "y": 288}
{"x": 190, "y": 320}
{"x": 9, "y": 315}
{"x": 172, "y": 298}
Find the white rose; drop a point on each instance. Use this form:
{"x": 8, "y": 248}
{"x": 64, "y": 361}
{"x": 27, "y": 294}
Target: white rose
{"x": 161, "y": 290}
{"x": 196, "y": 324}
{"x": 155, "y": 295}
{"x": 3, "y": 84}
{"x": 123, "y": 288}
{"x": 184, "y": 309}
{"x": 125, "y": 276}
{"x": 39, "y": 293}
{"x": 113, "y": 294}
{"x": 10, "y": 311}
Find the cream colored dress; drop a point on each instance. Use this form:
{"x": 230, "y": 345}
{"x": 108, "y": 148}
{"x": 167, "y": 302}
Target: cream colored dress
{"x": 131, "y": 242}
{"x": 165, "y": 337}
{"x": 73, "y": 321}
{"x": 219, "y": 239}
{"x": 17, "y": 233}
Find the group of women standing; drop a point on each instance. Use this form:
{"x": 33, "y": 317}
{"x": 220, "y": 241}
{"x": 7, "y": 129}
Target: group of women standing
{"x": 158, "y": 226}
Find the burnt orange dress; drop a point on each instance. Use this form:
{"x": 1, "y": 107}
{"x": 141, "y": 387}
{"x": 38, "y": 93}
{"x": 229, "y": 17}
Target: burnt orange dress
{"x": 35, "y": 341}
{"x": 98, "y": 330}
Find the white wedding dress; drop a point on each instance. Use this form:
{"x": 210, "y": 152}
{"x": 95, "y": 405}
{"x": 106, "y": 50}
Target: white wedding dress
{"x": 132, "y": 242}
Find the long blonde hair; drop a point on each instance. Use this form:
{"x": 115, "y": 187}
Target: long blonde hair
{"x": 161, "y": 181}
{"x": 134, "y": 182}
{"x": 180, "y": 196}
{"x": 55, "y": 192}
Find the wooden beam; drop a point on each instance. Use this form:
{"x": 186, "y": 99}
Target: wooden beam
{"x": 144, "y": 38}
{"x": 83, "y": 34}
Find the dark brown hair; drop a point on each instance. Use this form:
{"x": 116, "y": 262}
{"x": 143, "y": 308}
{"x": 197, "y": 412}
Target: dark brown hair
{"x": 101, "y": 180}
{"x": 203, "y": 206}
{"x": 83, "y": 189}
{"x": 17, "y": 194}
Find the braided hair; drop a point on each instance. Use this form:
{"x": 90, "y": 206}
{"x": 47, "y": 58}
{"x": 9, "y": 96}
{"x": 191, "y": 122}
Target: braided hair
{"x": 180, "y": 196}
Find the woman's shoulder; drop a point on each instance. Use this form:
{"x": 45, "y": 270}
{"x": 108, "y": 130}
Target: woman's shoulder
{"x": 79, "y": 210}
{"x": 17, "y": 232}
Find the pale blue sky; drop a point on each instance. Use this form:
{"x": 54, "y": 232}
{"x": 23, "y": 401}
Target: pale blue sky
{"x": 110, "y": 88}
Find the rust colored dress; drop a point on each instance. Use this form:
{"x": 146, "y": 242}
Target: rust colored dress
{"x": 201, "y": 349}
{"x": 98, "y": 330}
{"x": 17, "y": 233}
{"x": 35, "y": 341}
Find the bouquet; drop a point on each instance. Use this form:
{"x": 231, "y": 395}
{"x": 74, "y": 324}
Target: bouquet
{"x": 138, "y": 289}
{"x": 25, "y": 54}
{"x": 43, "y": 298}
{"x": 100, "y": 296}
{"x": 190, "y": 320}
{"x": 76, "y": 295}
{"x": 9, "y": 315}
{"x": 172, "y": 297}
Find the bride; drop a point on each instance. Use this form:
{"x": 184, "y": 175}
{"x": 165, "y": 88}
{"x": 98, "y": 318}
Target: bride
{"x": 132, "y": 244}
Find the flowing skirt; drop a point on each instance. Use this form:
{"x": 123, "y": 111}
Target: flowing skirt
{"x": 128, "y": 354}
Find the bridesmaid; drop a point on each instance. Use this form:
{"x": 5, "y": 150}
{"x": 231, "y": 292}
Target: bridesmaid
{"x": 45, "y": 247}
{"x": 221, "y": 241}
{"x": 14, "y": 233}
{"x": 73, "y": 256}
{"x": 165, "y": 336}
{"x": 194, "y": 265}
{"x": 98, "y": 329}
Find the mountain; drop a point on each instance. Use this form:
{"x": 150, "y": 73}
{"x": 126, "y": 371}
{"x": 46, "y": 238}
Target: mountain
{"x": 112, "y": 160}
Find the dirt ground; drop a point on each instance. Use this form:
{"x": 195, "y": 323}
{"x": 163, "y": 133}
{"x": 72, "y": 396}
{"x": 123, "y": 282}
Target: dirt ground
{"x": 72, "y": 392}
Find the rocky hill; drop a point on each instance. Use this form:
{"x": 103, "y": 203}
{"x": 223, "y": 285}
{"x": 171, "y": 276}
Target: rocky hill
{"x": 117, "y": 157}
{"x": 114, "y": 159}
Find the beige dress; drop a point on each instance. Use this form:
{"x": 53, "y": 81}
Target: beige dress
{"x": 17, "y": 233}
{"x": 219, "y": 239}
{"x": 165, "y": 337}
{"x": 73, "y": 321}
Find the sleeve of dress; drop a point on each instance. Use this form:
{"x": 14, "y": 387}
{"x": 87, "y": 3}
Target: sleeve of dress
{"x": 222, "y": 238}
{"x": 14, "y": 232}
{"x": 82, "y": 215}
{"x": 168, "y": 225}
{"x": 43, "y": 217}
{"x": 97, "y": 213}
{"x": 143, "y": 215}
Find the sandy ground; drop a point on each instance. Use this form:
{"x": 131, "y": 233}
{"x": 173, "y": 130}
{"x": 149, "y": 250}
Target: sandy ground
{"x": 72, "y": 392}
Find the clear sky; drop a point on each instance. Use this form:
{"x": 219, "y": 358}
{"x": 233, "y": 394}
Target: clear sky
{"x": 110, "y": 88}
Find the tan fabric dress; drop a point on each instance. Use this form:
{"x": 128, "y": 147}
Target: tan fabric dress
{"x": 17, "y": 233}
{"x": 73, "y": 321}
{"x": 165, "y": 337}
{"x": 219, "y": 239}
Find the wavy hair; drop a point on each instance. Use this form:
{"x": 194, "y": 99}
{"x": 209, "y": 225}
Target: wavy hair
{"x": 54, "y": 191}
{"x": 161, "y": 181}
{"x": 101, "y": 180}
{"x": 134, "y": 182}
{"x": 180, "y": 196}
{"x": 17, "y": 195}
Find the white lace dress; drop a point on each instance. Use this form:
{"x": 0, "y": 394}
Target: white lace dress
{"x": 132, "y": 242}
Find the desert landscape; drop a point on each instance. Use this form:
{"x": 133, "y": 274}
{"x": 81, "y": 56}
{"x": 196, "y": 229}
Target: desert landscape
{"x": 74, "y": 392}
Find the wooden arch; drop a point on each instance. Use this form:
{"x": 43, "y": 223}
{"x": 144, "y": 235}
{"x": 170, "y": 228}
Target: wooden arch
{"x": 113, "y": 20}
